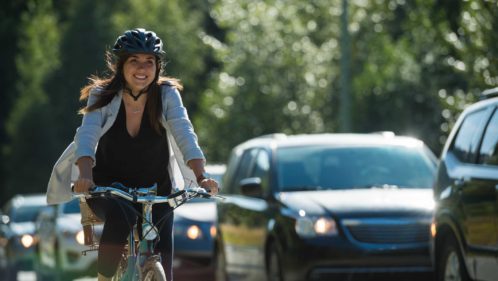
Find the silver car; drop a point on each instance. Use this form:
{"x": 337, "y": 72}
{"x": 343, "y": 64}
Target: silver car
{"x": 17, "y": 233}
{"x": 61, "y": 244}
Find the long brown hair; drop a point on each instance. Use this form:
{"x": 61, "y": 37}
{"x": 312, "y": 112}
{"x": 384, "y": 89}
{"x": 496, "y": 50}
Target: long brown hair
{"x": 110, "y": 85}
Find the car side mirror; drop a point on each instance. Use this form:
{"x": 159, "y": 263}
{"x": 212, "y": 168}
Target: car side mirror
{"x": 251, "y": 187}
{"x": 5, "y": 219}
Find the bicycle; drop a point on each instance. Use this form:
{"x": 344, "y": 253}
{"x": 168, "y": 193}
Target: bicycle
{"x": 139, "y": 262}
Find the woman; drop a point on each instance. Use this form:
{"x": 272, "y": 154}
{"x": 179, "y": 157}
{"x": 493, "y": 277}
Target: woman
{"x": 135, "y": 131}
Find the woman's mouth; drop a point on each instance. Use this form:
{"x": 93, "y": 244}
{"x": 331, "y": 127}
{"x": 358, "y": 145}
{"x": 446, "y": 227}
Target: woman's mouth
{"x": 140, "y": 77}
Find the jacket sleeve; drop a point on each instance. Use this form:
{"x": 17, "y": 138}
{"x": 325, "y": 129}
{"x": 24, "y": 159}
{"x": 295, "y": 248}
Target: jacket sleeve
{"x": 88, "y": 134}
{"x": 180, "y": 125}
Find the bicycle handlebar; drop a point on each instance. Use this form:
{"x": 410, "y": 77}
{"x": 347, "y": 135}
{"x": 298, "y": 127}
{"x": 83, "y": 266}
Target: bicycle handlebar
{"x": 147, "y": 194}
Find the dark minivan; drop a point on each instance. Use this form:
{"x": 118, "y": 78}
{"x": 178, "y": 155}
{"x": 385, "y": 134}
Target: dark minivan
{"x": 466, "y": 192}
{"x": 326, "y": 206}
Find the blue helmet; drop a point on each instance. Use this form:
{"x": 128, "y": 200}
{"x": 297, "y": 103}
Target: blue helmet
{"x": 138, "y": 40}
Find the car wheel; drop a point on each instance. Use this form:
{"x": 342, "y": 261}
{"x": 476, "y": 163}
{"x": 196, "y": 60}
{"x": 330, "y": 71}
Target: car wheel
{"x": 451, "y": 265}
{"x": 220, "y": 265}
{"x": 274, "y": 270}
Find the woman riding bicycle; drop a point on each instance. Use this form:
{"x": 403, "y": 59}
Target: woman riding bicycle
{"x": 135, "y": 131}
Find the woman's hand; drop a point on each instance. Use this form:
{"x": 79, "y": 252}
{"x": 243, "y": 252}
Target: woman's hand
{"x": 83, "y": 185}
{"x": 210, "y": 184}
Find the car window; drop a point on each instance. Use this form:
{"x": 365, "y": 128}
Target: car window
{"x": 467, "y": 138}
{"x": 25, "y": 213}
{"x": 305, "y": 168}
{"x": 71, "y": 207}
{"x": 261, "y": 169}
{"x": 243, "y": 169}
{"x": 488, "y": 154}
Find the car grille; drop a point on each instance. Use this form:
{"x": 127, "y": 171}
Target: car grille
{"x": 388, "y": 231}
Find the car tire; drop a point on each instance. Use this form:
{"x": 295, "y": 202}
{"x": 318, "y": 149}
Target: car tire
{"x": 274, "y": 270}
{"x": 220, "y": 265}
{"x": 450, "y": 263}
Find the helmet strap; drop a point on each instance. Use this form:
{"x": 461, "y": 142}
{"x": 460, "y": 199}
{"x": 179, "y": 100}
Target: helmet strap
{"x": 135, "y": 97}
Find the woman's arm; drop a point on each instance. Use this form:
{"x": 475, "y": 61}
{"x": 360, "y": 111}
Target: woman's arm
{"x": 183, "y": 132}
{"x": 85, "y": 180}
{"x": 88, "y": 134}
{"x": 86, "y": 140}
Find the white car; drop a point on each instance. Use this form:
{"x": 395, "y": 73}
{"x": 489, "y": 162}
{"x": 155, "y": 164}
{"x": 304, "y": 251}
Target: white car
{"x": 61, "y": 244}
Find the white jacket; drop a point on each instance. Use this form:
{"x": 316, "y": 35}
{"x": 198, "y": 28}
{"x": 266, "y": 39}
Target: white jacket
{"x": 182, "y": 143}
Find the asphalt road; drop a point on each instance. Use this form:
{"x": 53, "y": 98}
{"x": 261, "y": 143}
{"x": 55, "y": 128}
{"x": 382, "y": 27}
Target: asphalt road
{"x": 30, "y": 276}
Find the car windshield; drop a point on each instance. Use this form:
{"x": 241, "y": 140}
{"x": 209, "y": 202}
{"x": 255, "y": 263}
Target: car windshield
{"x": 71, "y": 207}
{"x": 26, "y": 213}
{"x": 315, "y": 167}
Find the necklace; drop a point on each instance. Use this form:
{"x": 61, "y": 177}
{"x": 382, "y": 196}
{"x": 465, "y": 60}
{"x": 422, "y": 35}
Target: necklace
{"x": 133, "y": 109}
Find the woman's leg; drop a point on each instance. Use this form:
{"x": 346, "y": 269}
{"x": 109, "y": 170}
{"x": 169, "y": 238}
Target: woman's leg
{"x": 165, "y": 245}
{"x": 119, "y": 217}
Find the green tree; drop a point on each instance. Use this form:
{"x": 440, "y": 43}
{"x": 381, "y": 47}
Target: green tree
{"x": 28, "y": 125}
{"x": 10, "y": 16}
{"x": 180, "y": 26}
{"x": 280, "y": 62}
{"x": 86, "y": 30}
{"x": 415, "y": 66}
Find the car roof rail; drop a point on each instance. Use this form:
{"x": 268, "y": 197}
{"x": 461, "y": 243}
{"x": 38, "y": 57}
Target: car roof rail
{"x": 489, "y": 93}
{"x": 384, "y": 133}
{"x": 273, "y": 136}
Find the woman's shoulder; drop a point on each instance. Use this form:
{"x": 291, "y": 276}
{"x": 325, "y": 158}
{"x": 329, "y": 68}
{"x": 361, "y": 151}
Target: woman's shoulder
{"x": 170, "y": 83}
{"x": 96, "y": 90}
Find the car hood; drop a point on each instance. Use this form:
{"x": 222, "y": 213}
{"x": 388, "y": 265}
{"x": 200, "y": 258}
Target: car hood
{"x": 22, "y": 228}
{"x": 199, "y": 211}
{"x": 360, "y": 202}
{"x": 70, "y": 222}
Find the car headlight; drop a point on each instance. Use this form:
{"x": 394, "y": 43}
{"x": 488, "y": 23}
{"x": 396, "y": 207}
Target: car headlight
{"x": 27, "y": 240}
{"x": 194, "y": 232}
{"x": 212, "y": 231}
{"x": 80, "y": 237}
{"x": 308, "y": 227}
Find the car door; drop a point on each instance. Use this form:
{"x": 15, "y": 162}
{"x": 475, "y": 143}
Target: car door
{"x": 239, "y": 221}
{"x": 487, "y": 178}
{"x": 474, "y": 196}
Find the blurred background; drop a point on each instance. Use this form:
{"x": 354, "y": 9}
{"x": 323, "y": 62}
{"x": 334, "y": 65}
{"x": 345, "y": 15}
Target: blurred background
{"x": 249, "y": 67}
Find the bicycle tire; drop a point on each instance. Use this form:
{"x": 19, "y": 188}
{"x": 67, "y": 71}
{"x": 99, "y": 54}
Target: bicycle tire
{"x": 153, "y": 271}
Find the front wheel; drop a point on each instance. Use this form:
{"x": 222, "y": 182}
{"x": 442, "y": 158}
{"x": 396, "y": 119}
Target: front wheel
{"x": 154, "y": 271}
{"x": 451, "y": 264}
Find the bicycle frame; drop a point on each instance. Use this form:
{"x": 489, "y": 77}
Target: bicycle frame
{"x": 136, "y": 258}
{"x": 139, "y": 254}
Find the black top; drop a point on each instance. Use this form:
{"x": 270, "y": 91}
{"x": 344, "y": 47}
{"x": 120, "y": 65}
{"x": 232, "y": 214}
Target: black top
{"x": 138, "y": 161}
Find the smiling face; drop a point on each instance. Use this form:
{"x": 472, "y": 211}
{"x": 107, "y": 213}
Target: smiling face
{"x": 139, "y": 71}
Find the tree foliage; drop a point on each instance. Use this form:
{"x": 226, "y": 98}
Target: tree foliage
{"x": 250, "y": 67}
{"x": 28, "y": 125}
